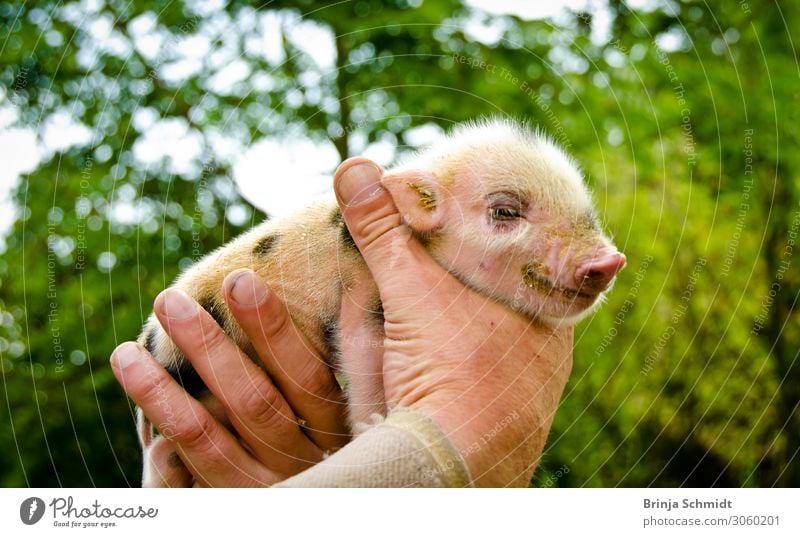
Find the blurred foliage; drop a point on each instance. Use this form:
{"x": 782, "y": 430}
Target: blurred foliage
{"x": 684, "y": 118}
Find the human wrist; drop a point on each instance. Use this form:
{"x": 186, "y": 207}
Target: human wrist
{"x": 487, "y": 439}
{"x": 498, "y": 426}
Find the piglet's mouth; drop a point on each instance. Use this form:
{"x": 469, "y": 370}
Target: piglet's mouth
{"x": 532, "y": 278}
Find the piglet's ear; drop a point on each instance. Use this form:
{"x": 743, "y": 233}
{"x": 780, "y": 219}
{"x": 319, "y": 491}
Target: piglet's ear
{"x": 418, "y": 197}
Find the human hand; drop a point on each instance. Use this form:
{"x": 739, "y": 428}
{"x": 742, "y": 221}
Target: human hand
{"x": 489, "y": 376}
{"x": 270, "y": 444}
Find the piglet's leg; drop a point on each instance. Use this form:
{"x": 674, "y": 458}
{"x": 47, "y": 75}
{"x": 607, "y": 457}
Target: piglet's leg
{"x": 361, "y": 355}
{"x": 163, "y": 468}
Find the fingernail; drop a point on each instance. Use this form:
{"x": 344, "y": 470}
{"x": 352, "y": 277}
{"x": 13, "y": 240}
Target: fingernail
{"x": 178, "y": 305}
{"x": 247, "y": 289}
{"x": 359, "y": 183}
{"x": 125, "y": 355}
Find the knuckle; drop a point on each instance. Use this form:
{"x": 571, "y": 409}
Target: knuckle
{"x": 196, "y": 433}
{"x": 261, "y": 405}
{"x": 321, "y": 386}
{"x": 381, "y": 227}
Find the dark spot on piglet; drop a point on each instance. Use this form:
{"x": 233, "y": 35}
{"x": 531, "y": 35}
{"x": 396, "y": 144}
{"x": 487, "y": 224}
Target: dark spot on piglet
{"x": 264, "y": 246}
{"x": 336, "y": 217}
{"x": 329, "y": 329}
{"x": 186, "y": 376}
{"x": 337, "y": 221}
{"x": 214, "y": 308}
{"x": 150, "y": 342}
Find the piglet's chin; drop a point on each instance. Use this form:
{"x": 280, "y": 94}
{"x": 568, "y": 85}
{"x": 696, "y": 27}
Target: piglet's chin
{"x": 568, "y": 313}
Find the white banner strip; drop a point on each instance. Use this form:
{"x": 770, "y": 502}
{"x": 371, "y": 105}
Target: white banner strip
{"x": 402, "y": 513}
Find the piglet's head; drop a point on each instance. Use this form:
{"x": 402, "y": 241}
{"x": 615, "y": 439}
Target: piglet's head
{"x": 507, "y": 212}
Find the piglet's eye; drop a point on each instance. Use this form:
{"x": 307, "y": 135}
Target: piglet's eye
{"x": 504, "y": 213}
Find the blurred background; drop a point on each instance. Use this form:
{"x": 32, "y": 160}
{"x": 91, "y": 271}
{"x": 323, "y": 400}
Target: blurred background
{"x": 137, "y": 136}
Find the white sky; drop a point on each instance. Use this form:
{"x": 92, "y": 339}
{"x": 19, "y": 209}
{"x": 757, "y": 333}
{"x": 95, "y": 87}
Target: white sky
{"x": 300, "y": 170}
{"x": 530, "y": 9}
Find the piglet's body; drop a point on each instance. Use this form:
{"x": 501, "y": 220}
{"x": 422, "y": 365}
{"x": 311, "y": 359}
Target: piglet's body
{"x": 498, "y": 206}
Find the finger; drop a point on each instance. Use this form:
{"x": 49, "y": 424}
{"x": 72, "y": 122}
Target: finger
{"x": 301, "y": 375}
{"x": 255, "y": 407}
{"x": 209, "y": 450}
{"x": 376, "y": 226}
{"x": 163, "y": 467}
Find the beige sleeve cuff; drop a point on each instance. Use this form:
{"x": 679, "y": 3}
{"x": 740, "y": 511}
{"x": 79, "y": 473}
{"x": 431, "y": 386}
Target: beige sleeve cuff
{"x": 407, "y": 449}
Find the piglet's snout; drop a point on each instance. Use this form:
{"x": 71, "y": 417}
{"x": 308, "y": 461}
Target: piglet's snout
{"x": 595, "y": 275}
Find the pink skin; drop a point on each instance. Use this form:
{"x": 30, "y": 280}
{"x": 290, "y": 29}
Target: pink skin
{"x": 542, "y": 263}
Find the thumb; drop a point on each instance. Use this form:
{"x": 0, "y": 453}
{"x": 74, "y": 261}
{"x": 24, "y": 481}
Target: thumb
{"x": 390, "y": 251}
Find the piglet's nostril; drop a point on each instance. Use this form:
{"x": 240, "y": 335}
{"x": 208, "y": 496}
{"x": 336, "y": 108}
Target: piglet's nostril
{"x": 595, "y": 275}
